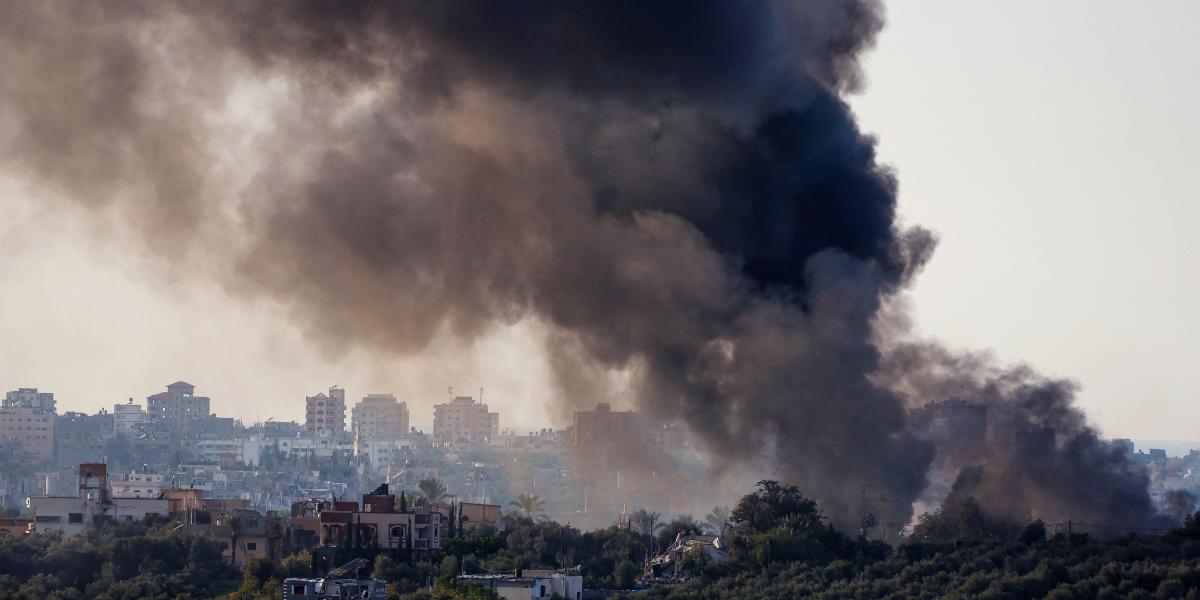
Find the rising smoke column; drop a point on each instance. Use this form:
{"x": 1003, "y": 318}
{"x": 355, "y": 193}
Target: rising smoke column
{"x": 675, "y": 191}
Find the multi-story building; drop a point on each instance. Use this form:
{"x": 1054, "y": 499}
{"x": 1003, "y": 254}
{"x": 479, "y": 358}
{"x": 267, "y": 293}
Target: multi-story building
{"x": 379, "y": 416}
{"x": 228, "y": 451}
{"x": 129, "y": 418}
{"x": 31, "y": 429}
{"x": 326, "y": 413}
{"x": 137, "y": 485}
{"x": 607, "y": 428}
{"x": 604, "y": 427}
{"x": 376, "y": 524}
{"x": 464, "y": 419}
{"x": 70, "y": 515}
{"x": 80, "y": 437}
{"x": 30, "y": 398}
{"x": 178, "y": 407}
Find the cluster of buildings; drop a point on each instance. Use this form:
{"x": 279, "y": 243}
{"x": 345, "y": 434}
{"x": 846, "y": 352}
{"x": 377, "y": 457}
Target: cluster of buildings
{"x": 174, "y": 440}
{"x": 380, "y": 521}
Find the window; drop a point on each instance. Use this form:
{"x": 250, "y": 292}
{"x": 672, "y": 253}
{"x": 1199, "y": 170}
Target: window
{"x": 299, "y": 589}
{"x": 75, "y": 517}
{"x": 49, "y": 519}
{"x": 252, "y": 545}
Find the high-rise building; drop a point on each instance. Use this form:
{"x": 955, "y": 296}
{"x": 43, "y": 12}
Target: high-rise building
{"x": 31, "y": 430}
{"x": 129, "y": 418}
{"x": 326, "y": 412}
{"x": 178, "y": 407}
{"x": 379, "y": 416}
{"x": 80, "y": 438}
{"x": 30, "y": 398}
{"x": 464, "y": 419}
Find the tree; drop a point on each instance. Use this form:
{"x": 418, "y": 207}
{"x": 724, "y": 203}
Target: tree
{"x": 717, "y": 520}
{"x": 432, "y": 489}
{"x": 624, "y": 574}
{"x": 529, "y": 505}
{"x": 773, "y": 504}
{"x": 645, "y": 522}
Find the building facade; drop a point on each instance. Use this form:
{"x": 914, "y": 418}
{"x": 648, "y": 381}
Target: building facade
{"x": 326, "y": 413}
{"x": 31, "y": 430}
{"x": 30, "y": 398}
{"x": 81, "y": 438}
{"x": 464, "y": 419}
{"x": 129, "y": 418}
{"x": 178, "y": 407}
{"x": 605, "y": 427}
{"x": 379, "y": 416}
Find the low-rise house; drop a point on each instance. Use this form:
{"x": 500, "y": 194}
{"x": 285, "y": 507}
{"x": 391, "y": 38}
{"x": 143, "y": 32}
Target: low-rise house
{"x": 70, "y": 515}
{"x": 14, "y": 526}
{"x": 529, "y": 584}
{"x": 376, "y": 523}
{"x": 137, "y": 485}
{"x": 473, "y": 515}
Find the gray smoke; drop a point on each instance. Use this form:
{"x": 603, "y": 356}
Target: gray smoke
{"x": 676, "y": 191}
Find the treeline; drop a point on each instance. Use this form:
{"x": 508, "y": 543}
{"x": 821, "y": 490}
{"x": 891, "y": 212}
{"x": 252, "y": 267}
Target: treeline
{"x": 113, "y": 561}
{"x": 780, "y": 546}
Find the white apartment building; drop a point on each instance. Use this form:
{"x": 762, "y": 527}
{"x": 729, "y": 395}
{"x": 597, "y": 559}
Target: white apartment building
{"x": 128, "y": 418}
{"x": 224, "y": 451}
{"x": 137, "y": 485}
{"x": 317, "y": 445}
{"x": 379, "y": 451}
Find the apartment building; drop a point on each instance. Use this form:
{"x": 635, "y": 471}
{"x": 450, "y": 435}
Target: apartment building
{"x": 31, "y": 430}
{"x": 379, "y": 416}
{"x": 326, "y": 413}
{"x": 30, "y": 398}
{"x": 464, "y": 419}
{"x": 178, "y": 407}
{"x": 129, "y": 418}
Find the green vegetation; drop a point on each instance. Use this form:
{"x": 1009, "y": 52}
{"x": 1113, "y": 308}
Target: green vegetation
{"x": 113, "y": 561}
{"x": 779, "y": 544}
{"x": 529, "y": 505}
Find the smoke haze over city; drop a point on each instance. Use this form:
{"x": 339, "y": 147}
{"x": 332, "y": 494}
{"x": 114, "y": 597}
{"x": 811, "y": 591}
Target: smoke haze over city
{"x": 672, "y": 208}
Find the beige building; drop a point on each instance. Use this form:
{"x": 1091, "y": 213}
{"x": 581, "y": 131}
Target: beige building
{"x": 379, "y": 416}
{"x": 31, "y": 429}
{"x": 464, "y": 419}
{"x": 30, "y": 398}
{"x": 326, "y": 413}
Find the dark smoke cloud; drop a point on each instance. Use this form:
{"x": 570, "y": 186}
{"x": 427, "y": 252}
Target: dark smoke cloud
{"x": 675, "y": 191}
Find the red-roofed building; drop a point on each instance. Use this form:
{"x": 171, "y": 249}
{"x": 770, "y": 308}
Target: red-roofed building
{"x": 178, "y": 408}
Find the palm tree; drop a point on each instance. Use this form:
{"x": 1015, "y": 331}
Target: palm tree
{"x": 433, "y": 489}
{"x": 529, "y": 505}
{"x": 646, "y": 522}
{"x": 716, "y": 520}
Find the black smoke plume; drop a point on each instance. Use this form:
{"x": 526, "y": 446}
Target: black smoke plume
{"x": 675, "y": 191}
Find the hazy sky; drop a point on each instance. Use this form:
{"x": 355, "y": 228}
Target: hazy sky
{"x": 1049, "y": 147}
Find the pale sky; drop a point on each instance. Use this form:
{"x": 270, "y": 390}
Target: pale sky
{"x": 1049, "y": 146}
